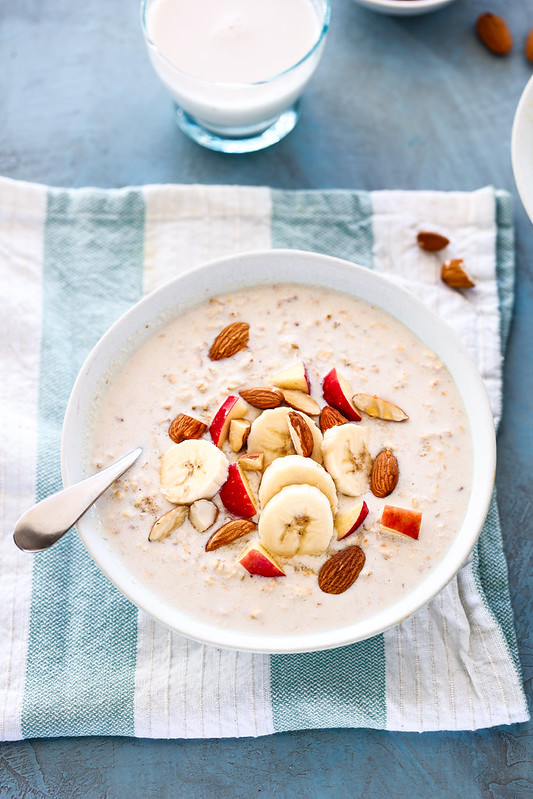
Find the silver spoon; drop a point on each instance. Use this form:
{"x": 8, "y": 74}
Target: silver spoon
{"x": 45, "y": 523}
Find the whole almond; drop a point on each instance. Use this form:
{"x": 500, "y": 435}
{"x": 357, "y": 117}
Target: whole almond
{"x": 301, "y": 434}
{"x": 230, "y": 340}
{"x": 330, "y": 417}
{"x": 494, "y": 33}
{"x": 184, "y": 427}
{"x": 384, "y": 475}
{"x": 529, "y": 46}
{"x": 262, "y": 397}
{"x": 231, "y": 531}
{"x": 431, "y": 242}
{"x": 454, "y": 275}
{"x": 341, "y": 570}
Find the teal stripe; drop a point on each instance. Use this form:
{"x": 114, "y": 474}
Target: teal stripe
{"x": 336, "y": 688}
{"x": 82, "y": 640}
{"x": 490, "y": 565}
{"x": 334, "y": 222}
{"x": 343, "y": 687}
{"x": 505, "y": 265}
{"x": 491, "y": 576}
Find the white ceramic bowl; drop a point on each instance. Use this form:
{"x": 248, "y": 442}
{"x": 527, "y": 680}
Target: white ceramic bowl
{"x": 280, "y": 266}
{"x": 522, "y": 148}
{"x": 404, "y": 8}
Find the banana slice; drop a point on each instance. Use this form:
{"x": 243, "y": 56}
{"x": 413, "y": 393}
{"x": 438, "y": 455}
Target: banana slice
{"x": 347, "y": 459}
{"x": 297, "y": 520}
{"x": 295, "y": 470}
{"x": 270, "y": 435}
{"x": 194, "y": 469}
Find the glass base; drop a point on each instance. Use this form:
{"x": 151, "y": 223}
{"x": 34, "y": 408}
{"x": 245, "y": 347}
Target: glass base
{"x": 241, "y": 144}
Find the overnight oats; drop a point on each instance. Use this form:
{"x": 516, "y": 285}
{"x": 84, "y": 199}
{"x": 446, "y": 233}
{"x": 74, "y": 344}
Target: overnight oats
{"x": 306, "y": 460}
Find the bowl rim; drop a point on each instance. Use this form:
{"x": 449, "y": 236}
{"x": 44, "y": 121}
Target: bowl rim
{"x": 241, "y": 270}
{"x": 521, "y": 144}
{"x": 411, "y": 9}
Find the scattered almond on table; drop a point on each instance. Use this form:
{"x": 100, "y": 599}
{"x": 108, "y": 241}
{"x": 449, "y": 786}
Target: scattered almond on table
{"x": 494, "y": 33}
{"x": 529, "y": 46}
{"x": 455, "y": 276}
{"x": 431, "y": 242}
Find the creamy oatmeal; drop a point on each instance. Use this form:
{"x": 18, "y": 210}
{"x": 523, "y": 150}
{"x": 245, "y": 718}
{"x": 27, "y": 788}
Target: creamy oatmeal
{"x": 415, "y": 469}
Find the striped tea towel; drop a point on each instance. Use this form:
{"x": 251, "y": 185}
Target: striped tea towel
{"x": 76, "y": 657}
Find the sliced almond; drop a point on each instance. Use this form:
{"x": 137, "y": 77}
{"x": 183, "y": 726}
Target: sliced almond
{"x": 230, "y": 340}
{"x": 252, "y": 461}
{"x": 384, "y": 475}
{"x": 239, "y": 429}
{"x": 229, "y": 532}
{"x": 184, "y": 427}
{"x": 341, "y": 570}
{"x": 431, "y": 242}
{"x": 301, "y": 434}
{"x": 262, "y": 397}
{"x": 167, "y": 523}
{"x": 454, "y": 275}
{"x": 379, "y": 408}
{"x": 203, "y": 514}
{"x": 494, "y": 33}
{"x": 301, "y": 401}
{"x": 330, "y": 417}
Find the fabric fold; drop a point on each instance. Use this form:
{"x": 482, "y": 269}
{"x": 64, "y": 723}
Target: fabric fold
{"x": 76, "y": 657}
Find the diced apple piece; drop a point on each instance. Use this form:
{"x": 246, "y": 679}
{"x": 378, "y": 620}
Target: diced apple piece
{"x": 167, "y": 523}
{"x": 236, "y": 493}
{"x": 338, "y": 393}
{"x": 401, "y": 520}
{"x": 257, "y": 560}
{"x": 347, "y": 521}
{"x": 252, "y": 461}
{"x": 379, "y": 408}
{"x": 203, "y": 514}
{"x": 232, "y": 408}
{"x": 301, "y": 401}
{"x": 238, "y": 433}
{"x": 293, "y": 377}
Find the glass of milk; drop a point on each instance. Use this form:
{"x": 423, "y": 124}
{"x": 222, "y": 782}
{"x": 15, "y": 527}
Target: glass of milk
{"x": 235, "y": 68}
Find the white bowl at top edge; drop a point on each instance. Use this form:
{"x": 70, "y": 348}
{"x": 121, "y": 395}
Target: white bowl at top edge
{"x": 403, "y": 8}
{"x": 522, "y": 148}
{"x": 253, "y": 269}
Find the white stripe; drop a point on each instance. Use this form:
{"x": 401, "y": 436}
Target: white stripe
{"x": 184, "y": 689}
{"x": 474, "y": 686}
{"x": 448, "y": 667}
{"x": 468, "y": 220}
{"x": 22, "y": 220}
{"x": 186, "y": 226}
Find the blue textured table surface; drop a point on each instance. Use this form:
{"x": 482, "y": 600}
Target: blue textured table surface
{"x": 411, "y": 103}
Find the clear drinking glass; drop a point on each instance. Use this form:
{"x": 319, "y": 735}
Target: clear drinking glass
{"x": 238, "y": 117}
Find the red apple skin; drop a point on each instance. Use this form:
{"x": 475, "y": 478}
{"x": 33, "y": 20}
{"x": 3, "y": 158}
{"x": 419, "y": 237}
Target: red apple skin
{"x": 335, "y": 396}
{"x": 235, "y": 494}
{"x": 219, "y": 427}
{"x": 306, "y": 375}
{"x": 401, "y": 520}
{"x": 256, "y": 560}
{"x": 358, "y": 522}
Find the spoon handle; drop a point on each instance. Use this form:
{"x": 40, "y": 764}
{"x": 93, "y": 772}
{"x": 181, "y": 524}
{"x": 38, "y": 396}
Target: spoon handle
{"x": 48, "y": 520}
